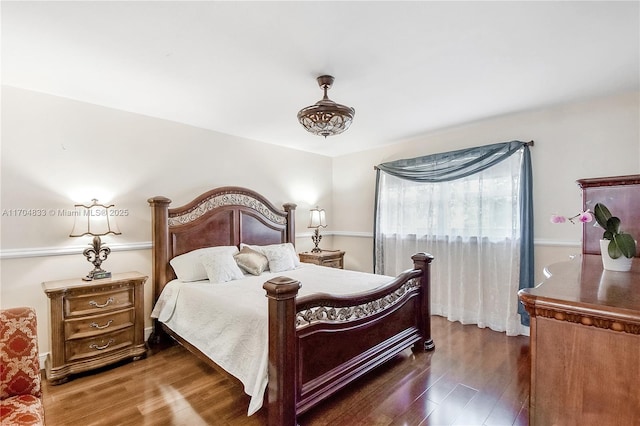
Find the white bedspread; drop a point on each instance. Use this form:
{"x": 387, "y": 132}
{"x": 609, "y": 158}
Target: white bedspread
{"x": 228, "y": 321}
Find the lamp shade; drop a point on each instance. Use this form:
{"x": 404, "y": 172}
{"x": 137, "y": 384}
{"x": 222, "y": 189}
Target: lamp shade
{"x": 95, "y": 219}
{"x": 317, "y": 218}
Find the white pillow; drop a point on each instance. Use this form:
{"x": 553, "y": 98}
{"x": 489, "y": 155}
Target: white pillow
{"x": 289, "y": 246}
{"x": 282, "y": 257}
{"x": 189, "y": 267}
{"x": 221, "y": 267}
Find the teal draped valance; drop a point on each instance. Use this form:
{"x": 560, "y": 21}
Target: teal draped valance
{"x": 447, "y": 166}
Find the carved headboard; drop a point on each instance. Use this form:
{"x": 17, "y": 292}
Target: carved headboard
{"x": 224, "y": 216}
{"x": 621, "y": 195}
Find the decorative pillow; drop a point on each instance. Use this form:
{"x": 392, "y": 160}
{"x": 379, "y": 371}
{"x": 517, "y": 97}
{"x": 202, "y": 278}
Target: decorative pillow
{"x": 189, "y": 267}
{"x": 251, "y": 261}
{"x": 288, "y": 246}
{"x": 281, "y": 257}
{"x": 221, "y": 267}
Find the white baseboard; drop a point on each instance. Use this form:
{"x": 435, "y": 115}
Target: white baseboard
{"x": 43, "y": 357}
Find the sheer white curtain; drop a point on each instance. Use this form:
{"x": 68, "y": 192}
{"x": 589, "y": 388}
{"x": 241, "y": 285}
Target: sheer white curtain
{"x": 472, "y": 227}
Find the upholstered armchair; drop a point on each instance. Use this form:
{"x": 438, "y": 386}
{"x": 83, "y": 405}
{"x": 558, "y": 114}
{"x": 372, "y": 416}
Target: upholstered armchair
{"x": 20, "y": 391}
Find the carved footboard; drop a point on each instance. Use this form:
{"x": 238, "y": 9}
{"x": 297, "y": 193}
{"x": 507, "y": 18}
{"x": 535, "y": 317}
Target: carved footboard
{"x": 320, "y": 343}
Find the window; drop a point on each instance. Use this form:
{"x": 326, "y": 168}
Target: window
{"x": 472, "y": 225}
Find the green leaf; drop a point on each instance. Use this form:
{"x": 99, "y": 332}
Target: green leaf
{"x": 613, "y": 225}
{"x": 614, "y": 251}
{"x": 625, "y": 244}
{"x": 608, "y": 235}
{"x": 602, "y": 215}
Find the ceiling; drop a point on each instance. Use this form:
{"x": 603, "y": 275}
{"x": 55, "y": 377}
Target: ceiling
{"x": 246, "y": 68}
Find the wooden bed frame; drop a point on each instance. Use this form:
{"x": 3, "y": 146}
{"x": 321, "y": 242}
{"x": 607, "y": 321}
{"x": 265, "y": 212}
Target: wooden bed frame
{"x": 317, "y": 344}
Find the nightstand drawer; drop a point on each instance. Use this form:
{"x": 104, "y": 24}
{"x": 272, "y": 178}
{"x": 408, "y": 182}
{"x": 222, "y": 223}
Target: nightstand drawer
{"x": 98, "y": 324}
{"x": 95, "y": 303}
{"x": 328, "y": 258}
{"x": 97, "y": 346}
{"x": 335, "y": 263}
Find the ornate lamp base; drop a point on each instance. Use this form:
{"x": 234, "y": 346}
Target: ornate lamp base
{"x": 96, "y": 254}
{"x": 316, "y": 237}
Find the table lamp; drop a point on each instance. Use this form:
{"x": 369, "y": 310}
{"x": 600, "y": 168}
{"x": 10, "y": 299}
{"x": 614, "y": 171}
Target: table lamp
{"x": 96, "y": 220}
{"x": 317, "y": 219}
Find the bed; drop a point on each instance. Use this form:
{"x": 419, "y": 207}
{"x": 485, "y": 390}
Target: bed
{"x": 315, "y": 342}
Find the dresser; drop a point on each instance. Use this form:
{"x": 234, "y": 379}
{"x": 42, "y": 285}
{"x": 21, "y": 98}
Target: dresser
{"x": 330, "y": 258}
{"x": 585, "y": 345}
{"x": 94, "y": 323}
{"x": 585, "y": 325}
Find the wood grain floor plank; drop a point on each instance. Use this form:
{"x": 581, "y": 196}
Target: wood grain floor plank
{"x": 512, "y": 400}
{"x": 452, "y": 406}
{"x": 493, "y": 374}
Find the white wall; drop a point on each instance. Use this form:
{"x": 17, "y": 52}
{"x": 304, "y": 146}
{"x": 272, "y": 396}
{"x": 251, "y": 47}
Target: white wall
{"x": 57, "y": 152}
{"x": 599, "y": 137}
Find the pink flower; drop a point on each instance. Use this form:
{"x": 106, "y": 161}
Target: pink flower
{"x": 585, "y": 217}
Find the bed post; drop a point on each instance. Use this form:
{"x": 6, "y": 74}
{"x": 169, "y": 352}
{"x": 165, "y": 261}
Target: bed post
{"x": 281, "y": 390}
{"x": 160, "y": 255}
{"x": 422, "y": 261}
{"x": 290, "y": 208}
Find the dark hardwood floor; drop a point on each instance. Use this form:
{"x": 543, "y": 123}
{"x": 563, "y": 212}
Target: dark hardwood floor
{"x": 474, "y": 377}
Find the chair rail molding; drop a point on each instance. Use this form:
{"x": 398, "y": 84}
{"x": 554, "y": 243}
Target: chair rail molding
{"x": 146, "y": 245}
{"x": 67, "y": 250}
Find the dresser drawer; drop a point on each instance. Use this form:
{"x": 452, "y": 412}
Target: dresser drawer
{"x": 97, "y": 346}
{"x": 77, "y": 328}
{"x": 97, "y": 302}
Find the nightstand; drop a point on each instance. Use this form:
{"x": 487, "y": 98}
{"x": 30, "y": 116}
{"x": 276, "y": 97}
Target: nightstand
{"x": 330, "y": 258}
{"x": 94, "y": 323}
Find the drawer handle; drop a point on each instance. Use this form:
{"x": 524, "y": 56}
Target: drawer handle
{"x": 97, "y": 305}
{"x": 94, "y": 346}
{"x": 100, "y": 327}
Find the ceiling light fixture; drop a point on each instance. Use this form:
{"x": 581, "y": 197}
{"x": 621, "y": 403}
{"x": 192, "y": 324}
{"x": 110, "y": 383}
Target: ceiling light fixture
{"x": 325, "y": 117}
